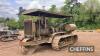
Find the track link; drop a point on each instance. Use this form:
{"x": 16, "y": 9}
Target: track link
{"x": 61, "y": 41}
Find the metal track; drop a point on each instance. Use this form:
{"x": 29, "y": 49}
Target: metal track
{"x": 61, "y": 41}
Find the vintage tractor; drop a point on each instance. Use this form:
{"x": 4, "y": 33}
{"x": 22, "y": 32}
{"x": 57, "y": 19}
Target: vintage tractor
{"x": 6, "y": 34}
{"x": 41, "y": 32}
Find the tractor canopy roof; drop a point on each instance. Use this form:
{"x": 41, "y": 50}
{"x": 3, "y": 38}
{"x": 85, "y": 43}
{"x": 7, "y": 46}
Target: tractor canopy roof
{"x": 39, "y": 12}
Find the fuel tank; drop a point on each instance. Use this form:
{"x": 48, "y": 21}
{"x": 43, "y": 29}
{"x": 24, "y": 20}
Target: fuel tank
{"x": 70, "y": 27}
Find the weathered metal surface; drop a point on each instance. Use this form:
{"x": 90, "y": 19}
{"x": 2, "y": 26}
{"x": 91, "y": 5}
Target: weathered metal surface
{"x": 41, "y": 32}
{"x": 29, "y": 27}
{"x": 44, "y": 13}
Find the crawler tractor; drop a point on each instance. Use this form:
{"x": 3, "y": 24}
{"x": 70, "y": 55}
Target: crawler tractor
{"x": 42, "y": 32}
{"x": 6, "y": 34}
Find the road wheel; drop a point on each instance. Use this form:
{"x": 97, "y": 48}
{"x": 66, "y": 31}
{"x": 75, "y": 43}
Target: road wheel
{"x": 56, "y": 43}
